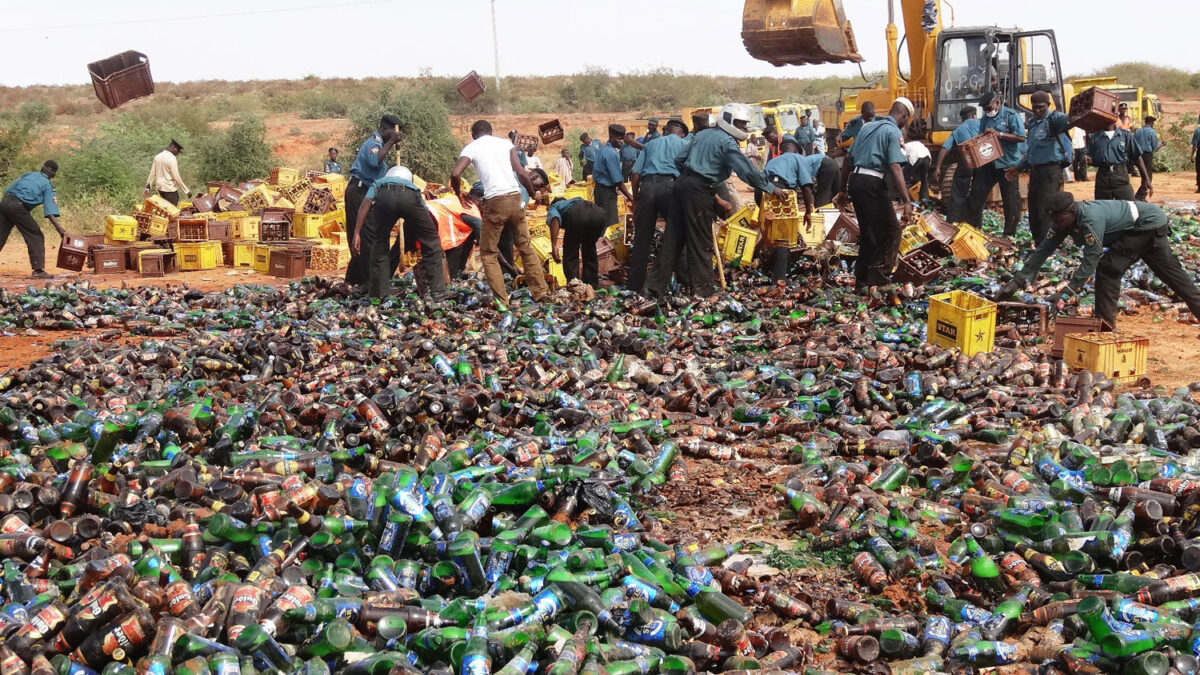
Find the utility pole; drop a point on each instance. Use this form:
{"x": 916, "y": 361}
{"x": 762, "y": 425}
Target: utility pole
{"x": 495, "y": 46}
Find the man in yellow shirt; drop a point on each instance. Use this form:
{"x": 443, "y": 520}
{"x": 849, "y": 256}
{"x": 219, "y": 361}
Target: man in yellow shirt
{"x": 164, "y": 174}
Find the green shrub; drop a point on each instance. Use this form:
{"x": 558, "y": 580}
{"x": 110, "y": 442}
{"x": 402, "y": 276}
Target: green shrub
{"x": 112, "y": 161}
{"x": 237, "y": 153}
{"x": 35, "y": 112}
{"x": 428, "y": 147}
{"x": 15, "y": 136}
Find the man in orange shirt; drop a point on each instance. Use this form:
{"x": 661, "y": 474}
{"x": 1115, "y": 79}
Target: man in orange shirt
{"x": 1124, "y": 121}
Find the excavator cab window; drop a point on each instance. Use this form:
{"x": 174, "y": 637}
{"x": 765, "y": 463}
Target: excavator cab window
{"x": 1037, "y": 69}
{"x": 967, "y": 68}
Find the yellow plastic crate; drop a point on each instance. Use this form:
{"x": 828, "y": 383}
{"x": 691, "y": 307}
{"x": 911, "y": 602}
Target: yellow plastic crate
{"x": 784, "y": 231}
{"x": 738, "y": 244}
{"x": 243, "y": 253}
{"x": 330, "y": 258}
{"x": 262, "y": 258}
{"x": 616, "y": 235}
{"x": 121, "y": 228}
{"x": 307, "y": 225}
{"x": 337, "y": 216}
{"x": 1119, "y": 356}
{"x": 581, "y": 190}
{"x": 781, "y": 204}
{"x": 157, "y": 205}
{"x": 556, "y": 271}
{"x": 256, "y": 199}
{"x": 964, "y": 320}
{"x": 542, "y": 247}
{"x": 336, "y": 183}
{"x": 202, "y": 255}
{"x": 244, "y": 228}
{"x": 970, "y": 244}
{"x": 913, "y": 236}
{"x": 745, "y": 217}
{"x": 282, "y": 175}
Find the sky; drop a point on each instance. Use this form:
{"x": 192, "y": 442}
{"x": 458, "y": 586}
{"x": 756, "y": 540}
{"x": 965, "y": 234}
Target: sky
{"x": 52, "y": 41}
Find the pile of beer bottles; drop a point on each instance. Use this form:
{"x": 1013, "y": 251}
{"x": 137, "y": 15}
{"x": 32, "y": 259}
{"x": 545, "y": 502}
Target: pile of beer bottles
{"x": 297, "y": 480}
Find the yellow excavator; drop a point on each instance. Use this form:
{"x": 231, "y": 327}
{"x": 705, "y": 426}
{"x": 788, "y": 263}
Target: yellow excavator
{"x": 949, "y": 68}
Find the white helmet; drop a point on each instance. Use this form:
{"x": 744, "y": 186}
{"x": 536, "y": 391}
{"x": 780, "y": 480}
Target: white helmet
{"x": 731, "y": 113}
{"x": 401, "y": 172}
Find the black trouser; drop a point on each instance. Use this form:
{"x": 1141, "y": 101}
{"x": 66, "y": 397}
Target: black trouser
{"x": 605, "y": 197}
{"x": 393, "y": 202}
{"x": 1153, "y": 248}
{"x": 917, "y": 173}
{"x": 356, "y": 271}
{"x": 960, "y": 193}
{"x": 14, "y": 213}
{"x": 1112, "y": 182}
{"x": 587, "y": 169}
{"x": 1198, "y": 170}
{"x": 655, "y": 200}
{"x": 1079, "y": 164}
{"x": 172, "y": 197}
{"x": 878, "y": 230}
{"x": 688, "y": 236}
{"x": 806, "y": 149}
{"x": 985, "y": 177}
{"x": 1044, "y": 180}
{"x": 826, "y": 181}
{"x": 1148, "y": 160}
{"x": 457, "y": 257}
{"x": 582, "y": 225}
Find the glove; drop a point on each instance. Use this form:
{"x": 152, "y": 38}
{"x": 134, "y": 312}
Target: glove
{"x": 1008, "y": 290}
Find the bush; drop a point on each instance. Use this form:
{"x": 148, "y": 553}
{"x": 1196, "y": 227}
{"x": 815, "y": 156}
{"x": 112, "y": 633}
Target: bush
{"x": 428, "y": 147}
{"x": 238, "y": 153}
{"x": 35, "y": 112}
{"x": 15, "y": 136}
{"x": 112, "y": 162}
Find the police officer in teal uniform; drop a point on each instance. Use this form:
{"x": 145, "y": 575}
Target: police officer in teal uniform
{"x": 1112, "y": 151}
{"x": 1044, "y": 160}
{"x": 26, "y": 194}
{"x": 370, "y": 164}
{"x": 1011, "y": 128}
{"x": 1112, "y": 235}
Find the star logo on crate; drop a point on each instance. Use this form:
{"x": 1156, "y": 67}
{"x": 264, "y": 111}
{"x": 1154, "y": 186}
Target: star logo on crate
{"x": 979, "y": 336}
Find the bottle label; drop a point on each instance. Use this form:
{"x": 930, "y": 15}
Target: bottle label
{"x": 476, "y": 664}
{"x": 124, "y": 637}
{"x": 548, "y": 605}
{"x": 636, "y": 588}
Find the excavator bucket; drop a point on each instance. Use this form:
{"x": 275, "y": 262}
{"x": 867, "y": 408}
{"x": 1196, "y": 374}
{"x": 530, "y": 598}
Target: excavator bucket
{"x": 798, "y": 32}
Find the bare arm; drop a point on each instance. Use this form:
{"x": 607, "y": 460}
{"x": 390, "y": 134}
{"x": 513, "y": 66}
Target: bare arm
{"x": 898, "y": 176}
{"x": 359, "y": 219}
{"x": 522, "y": 172}
{"x": 625, "y": 191}
{"x": 554, "y": 250}
{"x": 456, "y": 175}
{"x": 57, "y": 226}
{"x": 635, "y": 182}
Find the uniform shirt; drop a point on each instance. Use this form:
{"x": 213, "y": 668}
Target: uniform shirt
{"x": 332, "y": 167}
{"x": 607, "y": 171}
{"x": 1098, "y": 224}
{"x": 559, "y": 209}
{"x": 1007, "y": 121}
{"x": 1196, "y": 138}
{"x": 650, "y": 135}
{"x": 877, "y": 145}
{"x": 1114, "y": 150}
{"x": 390, "y": 180}
{"x": 966, "y": 131}
{"x": 804, "y": 134}
{"x": 33, "y": 189}
{"x": 853, "y": 127}
{"x": 628, "y": 153}
{"x": 492, "y": 157}
{"x": 164, "y": 173}
{"x": 1146, "y": 139}
{"x": 714, "y": 155}
{"x": 1045, "y": 143}
{"x": 658, "y": 157}
{"x": 369, "y": 165}
{"x": 791, "y": 168}
{"x": 587, "y": 153}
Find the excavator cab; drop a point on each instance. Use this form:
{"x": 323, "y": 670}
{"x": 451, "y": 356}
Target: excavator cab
{"x": 798, "y": 32}
{"x": 1015, "y": 64}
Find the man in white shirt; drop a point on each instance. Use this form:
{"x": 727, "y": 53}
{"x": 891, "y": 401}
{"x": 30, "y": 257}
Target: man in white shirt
{"x": 164, "y": 174}
{"x": 1079, "y": 163}
{"x": 499, "y": 171}
{"x": 564, "y": 167}
{"x": 820, "y": 146}
{"x": 917, "y": 168}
